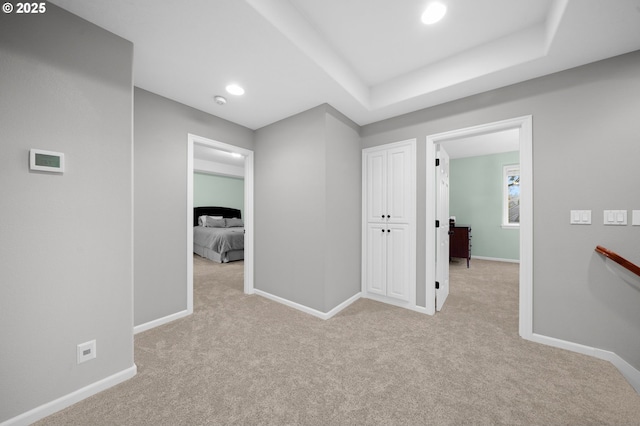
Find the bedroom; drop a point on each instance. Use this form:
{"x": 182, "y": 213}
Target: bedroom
{"x": 477, "y": 192}
{"x": 218, "y": 181}
{"x": 482, "y": 233}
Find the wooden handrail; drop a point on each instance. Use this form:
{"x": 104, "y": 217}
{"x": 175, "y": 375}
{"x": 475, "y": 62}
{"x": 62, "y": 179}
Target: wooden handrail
{"x": 619, "y": 260}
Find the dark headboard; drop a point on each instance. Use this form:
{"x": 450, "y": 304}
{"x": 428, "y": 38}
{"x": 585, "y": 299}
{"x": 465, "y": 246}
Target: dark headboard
{"x": 215, "y": 211}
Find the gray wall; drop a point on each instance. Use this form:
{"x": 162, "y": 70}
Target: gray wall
{"x": 585, "y": 152}
{"x": 476, "y": 198}
{"x": 65, "y": 240}
{"x": 289, "y": 208}
{"x": 307, "y": 180}
{"x": 343, "y": 209}
{"x": 160, "y": 186}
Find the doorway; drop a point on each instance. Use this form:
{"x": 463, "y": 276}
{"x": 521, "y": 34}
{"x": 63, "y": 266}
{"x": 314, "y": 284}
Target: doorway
{"x": 524, "y": 126}
{"x": 248, "y": 211}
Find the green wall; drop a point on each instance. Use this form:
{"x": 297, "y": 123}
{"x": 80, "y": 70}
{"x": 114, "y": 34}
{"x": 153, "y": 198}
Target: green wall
{"x": 476, "y": 199}
{"x": 214, "y": 190}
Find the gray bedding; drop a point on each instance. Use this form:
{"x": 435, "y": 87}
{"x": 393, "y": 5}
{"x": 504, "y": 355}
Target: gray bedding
{"x": 220, "y": 240}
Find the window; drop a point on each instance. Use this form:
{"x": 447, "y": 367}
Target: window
{"x": 511, "y": 197}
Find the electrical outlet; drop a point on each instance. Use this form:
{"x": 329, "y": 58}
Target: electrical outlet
{"x": 86, "y": 351}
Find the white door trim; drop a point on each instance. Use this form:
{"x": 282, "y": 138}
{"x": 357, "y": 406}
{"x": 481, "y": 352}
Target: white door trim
{"x": 524, "y": 124}
{"x": 248, "y": 212}
{"x": 443, "y": 231}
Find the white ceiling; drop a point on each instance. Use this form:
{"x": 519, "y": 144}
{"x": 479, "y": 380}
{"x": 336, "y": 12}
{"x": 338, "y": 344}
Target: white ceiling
{"x": 484, "y": 144}
{"x": 381, "y": 41}
{"x": 214, "y": 155}
{"x": 370, "y": 59}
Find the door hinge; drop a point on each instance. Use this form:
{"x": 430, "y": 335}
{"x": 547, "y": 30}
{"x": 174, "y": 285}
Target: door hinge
{"x": 437, "y": 224}
{"x": 437, "y": 285}
{"x": 437, "y": 162}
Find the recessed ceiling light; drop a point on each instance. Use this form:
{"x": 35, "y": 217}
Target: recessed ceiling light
{"x": 220, "y": 100}
{"x": 234, "y": 89}
{"x": 434, "y": 12}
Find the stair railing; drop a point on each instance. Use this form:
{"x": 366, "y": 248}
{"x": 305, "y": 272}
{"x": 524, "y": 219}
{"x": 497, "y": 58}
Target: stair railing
{"x": 619, "y": 260}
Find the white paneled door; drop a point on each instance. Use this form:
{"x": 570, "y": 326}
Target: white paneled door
{"x": 399, "y": 176}
{"x": 376, "y": 186}
{"x": 442, "y": 232}
{"x": 398, "y": 265}
{"x": 376, "y": 256}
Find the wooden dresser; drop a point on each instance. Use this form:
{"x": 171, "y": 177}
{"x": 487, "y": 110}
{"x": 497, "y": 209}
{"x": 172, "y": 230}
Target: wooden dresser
{"x": 460, "y": 242}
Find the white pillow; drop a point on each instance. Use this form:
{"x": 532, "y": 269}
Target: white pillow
{"x": 202, "y": 220}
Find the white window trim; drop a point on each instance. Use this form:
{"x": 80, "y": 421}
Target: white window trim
{"x": 506, "y": 171}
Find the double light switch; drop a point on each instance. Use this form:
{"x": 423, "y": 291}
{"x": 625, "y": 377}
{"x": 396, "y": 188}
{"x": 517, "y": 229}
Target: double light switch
{"x": 615, "y": 217}
{"x": 581, "y": 217}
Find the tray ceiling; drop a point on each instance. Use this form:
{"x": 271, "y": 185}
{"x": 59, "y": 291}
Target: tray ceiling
{"x": 370, "y": 59}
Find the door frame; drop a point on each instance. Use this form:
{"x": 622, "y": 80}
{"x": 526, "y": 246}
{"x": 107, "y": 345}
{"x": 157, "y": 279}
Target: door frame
{"x": 248, "y": 211}
{"x": 525, "y": 126}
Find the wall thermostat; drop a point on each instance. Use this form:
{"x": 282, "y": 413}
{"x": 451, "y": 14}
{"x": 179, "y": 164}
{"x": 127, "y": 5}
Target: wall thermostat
{"x": 46, "y": 161}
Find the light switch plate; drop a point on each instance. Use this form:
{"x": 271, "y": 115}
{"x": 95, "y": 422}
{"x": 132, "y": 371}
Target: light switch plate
{"x": 580, "y": 217}
{"x": 615, "y": 217}
{"x": 635, "y": 217}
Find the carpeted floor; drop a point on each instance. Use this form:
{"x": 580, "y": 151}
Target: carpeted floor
{"x": 247, "y": 360}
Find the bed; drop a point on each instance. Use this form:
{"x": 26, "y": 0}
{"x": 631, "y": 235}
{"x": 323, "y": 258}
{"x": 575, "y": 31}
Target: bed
{"x": 218, "y": 233}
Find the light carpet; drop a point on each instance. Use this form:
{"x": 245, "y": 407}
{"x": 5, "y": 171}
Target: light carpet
{"x": 247, "y": 360}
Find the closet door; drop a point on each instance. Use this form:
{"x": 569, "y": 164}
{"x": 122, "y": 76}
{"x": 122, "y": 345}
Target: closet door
{"x": 376, "y": 259}
{"x": 399, "y": 206}
{"x": 398, "y": 261}
{"x": 376, "y": 186}
{"x": 388, "y": 270}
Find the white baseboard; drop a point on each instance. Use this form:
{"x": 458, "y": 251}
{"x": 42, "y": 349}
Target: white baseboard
{"x": 627, "y": 370}
{"x": 394, "y": 302}
{"x": 343, "y": 305}
{"x": 496, "y": 259}
{"x": 630, "y": 373}
{"x": 61, "y": 403}
{"x": 160, "y": 321}
{"x": 306, "y": 309}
